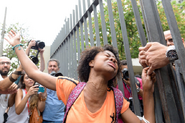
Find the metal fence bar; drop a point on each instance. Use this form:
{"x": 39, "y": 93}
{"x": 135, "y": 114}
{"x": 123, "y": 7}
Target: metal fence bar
{"x": 74, "y": 54}
{"x": 138, "y": 22}
{"x": 111, "y": 21}
{"x": 81, "y": 27}
{"x": 180, "y": 85}
{"x": 66, "y": 46}
{"x": 96, "y": 25}
{"x": 179, "y": 48}
{"x": 90, "y": 25}
{"x": 85, "y": 26}
{"x": 77, "y": 29}
{"x": 104, "y": 30}
{"x": 129, "y": 61}
{"x": 62, "y": 60}
{"x": 66, "y": 60}
{"x": 175, "y": 34}
{"x": 155, "y": 34}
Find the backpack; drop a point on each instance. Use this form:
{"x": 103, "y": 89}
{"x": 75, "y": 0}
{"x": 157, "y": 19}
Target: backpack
{"x": 118, "y": 97}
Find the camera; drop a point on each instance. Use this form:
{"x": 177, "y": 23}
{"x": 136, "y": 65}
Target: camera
{"x": 53, "y": 73}
{"x": 34, "y": 59}
{"x": 125, "y": 74}
{"x": 38, "y": 45}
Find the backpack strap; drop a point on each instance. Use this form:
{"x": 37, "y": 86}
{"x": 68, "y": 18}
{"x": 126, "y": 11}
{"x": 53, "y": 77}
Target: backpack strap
{"x": 118, "y": 97}
{"x": 73, "y": 96}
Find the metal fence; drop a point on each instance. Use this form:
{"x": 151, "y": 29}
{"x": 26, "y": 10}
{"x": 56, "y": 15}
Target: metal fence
{"x": 77, "y": 34}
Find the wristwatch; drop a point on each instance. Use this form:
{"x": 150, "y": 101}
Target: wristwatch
{"x": 171, "y": 54}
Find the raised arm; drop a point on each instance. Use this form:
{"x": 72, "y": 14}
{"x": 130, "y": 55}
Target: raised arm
{"x": 30, "y": 68}
{"x": 42, "y": 61}
{"x": 21, "y": 103}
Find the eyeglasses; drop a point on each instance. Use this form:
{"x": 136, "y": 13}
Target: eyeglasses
{"x": 3, "y": 63}
{"x": 170, "y": 40}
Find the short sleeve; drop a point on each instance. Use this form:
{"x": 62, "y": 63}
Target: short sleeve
{"x": 64, "y": 86}
{"x": 125, "y": 105}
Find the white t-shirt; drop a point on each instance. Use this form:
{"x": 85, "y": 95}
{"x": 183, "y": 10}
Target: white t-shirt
{"x": 3, "y": 103}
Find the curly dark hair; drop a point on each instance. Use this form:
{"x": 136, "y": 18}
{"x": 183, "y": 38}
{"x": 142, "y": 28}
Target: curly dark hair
{"x": 88, "y": 55}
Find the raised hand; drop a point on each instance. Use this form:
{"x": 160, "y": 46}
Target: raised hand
{"x": 31, "y": 43}
{"x": 148, "y": 80}
{"x": 14, "y": 38}
{"x": 13, "y": 87}
{"x": 153, "y": 55}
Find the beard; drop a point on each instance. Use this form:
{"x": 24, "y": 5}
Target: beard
{"x": 5, "y": 73}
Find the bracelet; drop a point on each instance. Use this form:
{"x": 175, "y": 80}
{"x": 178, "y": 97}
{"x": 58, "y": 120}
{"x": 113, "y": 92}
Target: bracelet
{"x": 43, "y": 99}
{"x": 18, "y": 45}
{"x": 12, "y": 79}
{"x": 146, "y": 121}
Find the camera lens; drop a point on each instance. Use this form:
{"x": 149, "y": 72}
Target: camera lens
{"x": 34, "y": 59}
{"x": 125, "y": 74}
{"x": 41, "y": 45}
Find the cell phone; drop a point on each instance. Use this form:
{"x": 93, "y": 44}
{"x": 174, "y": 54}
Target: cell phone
{"x": 37, "y": 86}
{"x": 41, "y": 89}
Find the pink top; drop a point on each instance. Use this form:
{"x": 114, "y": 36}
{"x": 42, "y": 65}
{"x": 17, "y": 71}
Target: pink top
{"x": 126, "y": 91}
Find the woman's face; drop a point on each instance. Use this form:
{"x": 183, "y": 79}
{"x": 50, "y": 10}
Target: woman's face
{"x": 27, "y": 81}
{"x": 105, "y": 63}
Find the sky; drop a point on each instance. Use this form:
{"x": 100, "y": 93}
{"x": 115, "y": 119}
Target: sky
{"x": 42, "y": 18}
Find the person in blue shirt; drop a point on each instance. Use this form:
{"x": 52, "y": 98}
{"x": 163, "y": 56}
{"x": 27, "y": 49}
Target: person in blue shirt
{"x": 54, "y": 108}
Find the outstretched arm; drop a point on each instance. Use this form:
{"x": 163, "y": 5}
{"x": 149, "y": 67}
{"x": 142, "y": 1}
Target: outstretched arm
{"x": 30, "y": 68}
{"x": 148, "y": 101}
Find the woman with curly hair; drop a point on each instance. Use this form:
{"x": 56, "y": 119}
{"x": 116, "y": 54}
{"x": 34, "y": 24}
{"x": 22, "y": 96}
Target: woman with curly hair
{"x": 98, "y": 67}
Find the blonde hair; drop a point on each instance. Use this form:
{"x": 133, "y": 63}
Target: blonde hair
{"x": 33, "y": 101}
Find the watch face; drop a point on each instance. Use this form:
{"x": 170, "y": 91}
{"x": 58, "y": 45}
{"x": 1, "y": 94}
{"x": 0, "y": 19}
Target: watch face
{"x": 172, "y": 55}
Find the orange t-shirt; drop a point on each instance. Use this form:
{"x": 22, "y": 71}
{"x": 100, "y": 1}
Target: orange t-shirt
{"x": 79, "y": 112}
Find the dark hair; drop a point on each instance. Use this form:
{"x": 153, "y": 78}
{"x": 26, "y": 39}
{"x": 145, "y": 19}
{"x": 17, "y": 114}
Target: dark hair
{"x": 21, "y": 84}
{"x": 123, "y": 62}
{"x": 88, "y": 55}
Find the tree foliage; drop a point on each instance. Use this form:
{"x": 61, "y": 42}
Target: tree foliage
{"x": 24, "y": 40}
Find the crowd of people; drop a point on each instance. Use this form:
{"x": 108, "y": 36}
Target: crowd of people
{"x": 94, "y": 99}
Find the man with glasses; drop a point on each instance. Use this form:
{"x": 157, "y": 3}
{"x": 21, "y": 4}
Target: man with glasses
{"x": 4, "y": 94}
